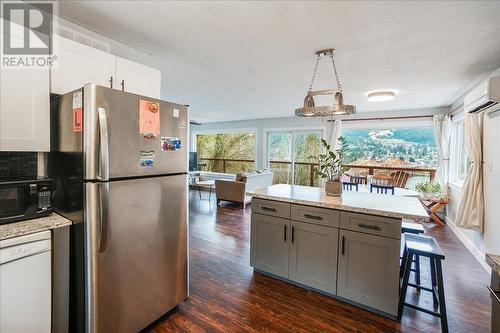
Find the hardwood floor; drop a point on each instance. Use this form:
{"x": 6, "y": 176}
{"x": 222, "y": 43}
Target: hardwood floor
{"x": 227, "y": 296}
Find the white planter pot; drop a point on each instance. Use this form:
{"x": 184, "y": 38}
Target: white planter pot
{"x": 333, "y": 188}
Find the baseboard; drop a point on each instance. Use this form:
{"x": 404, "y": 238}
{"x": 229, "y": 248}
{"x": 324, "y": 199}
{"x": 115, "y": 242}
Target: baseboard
{"x": 479, "y": 255}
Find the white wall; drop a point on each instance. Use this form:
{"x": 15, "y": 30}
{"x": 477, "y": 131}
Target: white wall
{"x": 259, "y": 126}
{"x": 489, "y": 242}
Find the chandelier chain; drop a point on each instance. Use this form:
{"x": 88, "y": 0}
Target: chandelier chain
{"x": 339, "y": 86}
{"x": 314, "y": 73}
{"x": 337, "y": 78}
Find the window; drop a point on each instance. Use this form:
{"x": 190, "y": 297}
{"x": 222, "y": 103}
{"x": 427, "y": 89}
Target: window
{"x": 407, "y": 148}
{"x": 226, "y": 152}
{"x": 459, "y": 163}
{"x": 292, "y": 156}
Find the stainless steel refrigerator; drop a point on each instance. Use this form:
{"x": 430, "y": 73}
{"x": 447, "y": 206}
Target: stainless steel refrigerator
{"x": 119, "y": 163}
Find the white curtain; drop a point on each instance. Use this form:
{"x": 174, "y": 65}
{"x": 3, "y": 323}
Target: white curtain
{"x": 442, "y": 133}
{"x": 470, "y": 210}
{"x": 334, "y": 133}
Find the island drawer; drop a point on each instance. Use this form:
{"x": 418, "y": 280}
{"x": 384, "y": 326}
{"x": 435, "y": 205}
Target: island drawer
{"x": 269, "y": 207}
{"x": 316, "y": 215}
{"x": 375, "y": 225}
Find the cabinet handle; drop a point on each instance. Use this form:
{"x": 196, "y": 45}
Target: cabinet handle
{"x": 313, "y": 217}
{"x": 343, "y": 245}
{"x": 293, "y": 234}
{"x": 369, "y": 226}
{"x": 123, "y": 85}
{"x": 284, "y": 234}
{"x": 267, "y": 209}
{"x": 494, "y": 294}
{"x": 111, "y": 82}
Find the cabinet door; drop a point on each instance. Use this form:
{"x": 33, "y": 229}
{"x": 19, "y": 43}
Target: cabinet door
{"x": 137, "y": 78}
{"x": 270, "y": 244}
{"x": 368, "y": 270}
{"x": 313, "y": 256}
{"x": 78, "y": 64}
{"x": 24, "y": 110}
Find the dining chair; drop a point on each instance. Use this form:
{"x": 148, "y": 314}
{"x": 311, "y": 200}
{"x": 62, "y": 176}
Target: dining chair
{"x": 349, "y": 186}
{"x": 400, "y": 178}
{"x": 358, "y": 179}
{"x": 382, "y": 189}
{"x": 382, "y": 179}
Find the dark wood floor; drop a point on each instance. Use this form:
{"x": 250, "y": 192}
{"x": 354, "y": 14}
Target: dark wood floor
{"x": 227, "y": 296}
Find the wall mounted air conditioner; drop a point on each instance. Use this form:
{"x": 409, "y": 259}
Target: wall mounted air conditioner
{"x": 486, "y": 96}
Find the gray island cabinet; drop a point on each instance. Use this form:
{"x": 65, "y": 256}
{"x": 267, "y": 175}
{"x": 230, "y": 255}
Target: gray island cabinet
{"x": 330, "y": 245}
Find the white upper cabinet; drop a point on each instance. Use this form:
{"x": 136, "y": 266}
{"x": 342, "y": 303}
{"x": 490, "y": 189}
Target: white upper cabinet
{"x": 78, "y": 64}
{"x": 137, "y": 78}
{"x": 24, "y": 109}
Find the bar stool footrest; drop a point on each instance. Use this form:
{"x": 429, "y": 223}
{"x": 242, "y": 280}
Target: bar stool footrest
{"x": 416, "y": 307}
{"x": 418, "y": 286}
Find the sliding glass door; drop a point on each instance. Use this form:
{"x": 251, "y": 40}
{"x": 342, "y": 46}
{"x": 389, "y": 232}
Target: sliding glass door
{"x": 292, "y": 156}
{"x": 279, "y": 157}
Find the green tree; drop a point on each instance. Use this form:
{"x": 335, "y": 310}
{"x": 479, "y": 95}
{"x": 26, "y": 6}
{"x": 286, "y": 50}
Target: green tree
{"x": 232, "y": 146}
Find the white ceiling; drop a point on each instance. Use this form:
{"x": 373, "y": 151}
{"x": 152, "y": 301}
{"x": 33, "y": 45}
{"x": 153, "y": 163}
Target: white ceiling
{"x": 245, "y": 60}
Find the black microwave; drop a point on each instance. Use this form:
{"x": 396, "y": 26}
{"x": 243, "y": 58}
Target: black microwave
{"x": 25, "y": 199}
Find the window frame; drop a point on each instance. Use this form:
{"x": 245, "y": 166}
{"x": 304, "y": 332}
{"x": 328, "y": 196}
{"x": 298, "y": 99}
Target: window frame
{"x": 457, "y": 139}
{"x": 254, "y": 131}
{"x": 321, "y": 130}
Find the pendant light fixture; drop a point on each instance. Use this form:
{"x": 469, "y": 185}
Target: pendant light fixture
{"x": 337, "y": 108}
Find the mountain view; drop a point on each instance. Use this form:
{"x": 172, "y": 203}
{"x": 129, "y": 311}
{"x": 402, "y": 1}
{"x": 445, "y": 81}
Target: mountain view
{"x": 401, "y": 146}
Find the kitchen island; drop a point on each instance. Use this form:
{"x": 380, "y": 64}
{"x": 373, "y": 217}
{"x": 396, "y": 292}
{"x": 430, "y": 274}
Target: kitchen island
{"x": 345, "y": 247}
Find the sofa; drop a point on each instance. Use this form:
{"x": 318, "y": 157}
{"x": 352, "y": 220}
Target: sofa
{"x": 235, "y": 190}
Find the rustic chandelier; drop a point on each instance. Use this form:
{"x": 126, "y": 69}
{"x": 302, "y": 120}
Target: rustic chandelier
{"x": 337, "y": 108}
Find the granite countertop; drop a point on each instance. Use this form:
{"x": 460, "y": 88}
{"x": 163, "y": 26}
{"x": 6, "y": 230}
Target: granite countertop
{"x": 375, "y": 204}
{"x": 494, "y": 261}
{"x": 21, "y": 228}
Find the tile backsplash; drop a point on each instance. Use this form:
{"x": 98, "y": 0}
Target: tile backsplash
{"x": 15, "y": 165}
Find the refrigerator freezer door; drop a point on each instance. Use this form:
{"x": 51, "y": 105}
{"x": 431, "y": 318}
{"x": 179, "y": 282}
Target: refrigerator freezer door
{"x": 137, "y": 251}
{"x": 131, "y": 154}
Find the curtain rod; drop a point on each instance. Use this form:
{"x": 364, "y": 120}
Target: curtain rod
{"x": 383, "y": 118}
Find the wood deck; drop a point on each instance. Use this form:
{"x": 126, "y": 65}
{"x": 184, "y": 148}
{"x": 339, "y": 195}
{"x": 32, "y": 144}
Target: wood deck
{"x": 227, "y": 296}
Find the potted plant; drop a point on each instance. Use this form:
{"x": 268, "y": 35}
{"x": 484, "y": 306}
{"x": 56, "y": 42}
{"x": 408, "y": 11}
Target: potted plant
{"x": 330, "y": 167}
{"x": 428, "y": 190}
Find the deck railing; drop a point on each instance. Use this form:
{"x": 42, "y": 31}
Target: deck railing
{"x": 372, "y": 168}
{"x": 224, "y": 162}
{"x": 311, "y": 166}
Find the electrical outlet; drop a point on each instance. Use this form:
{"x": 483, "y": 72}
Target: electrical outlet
{"x": 490, "y": 166}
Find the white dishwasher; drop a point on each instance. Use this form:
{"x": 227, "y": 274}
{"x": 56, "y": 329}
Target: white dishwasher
{"x": 25, "y": 284}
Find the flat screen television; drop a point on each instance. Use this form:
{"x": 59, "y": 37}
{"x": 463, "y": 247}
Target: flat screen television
{"x": 193, "y": 161}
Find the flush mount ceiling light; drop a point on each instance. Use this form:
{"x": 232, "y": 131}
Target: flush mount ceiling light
{"x": 337, "y": 108}
{"x": 381, "y": 96}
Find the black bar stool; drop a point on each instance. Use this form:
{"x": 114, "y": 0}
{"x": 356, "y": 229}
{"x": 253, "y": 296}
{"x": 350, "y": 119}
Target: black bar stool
{"x": 416, "y": 229}
{"x": 411, "y": 228}
{"x": 350, "y": 186}
{"x": 425, "y": 247}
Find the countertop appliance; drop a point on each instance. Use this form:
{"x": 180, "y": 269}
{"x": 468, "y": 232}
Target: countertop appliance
{"x": 25, "y": 291}
{"x": 22, "y": 199}
{"x": 119, "y": 164}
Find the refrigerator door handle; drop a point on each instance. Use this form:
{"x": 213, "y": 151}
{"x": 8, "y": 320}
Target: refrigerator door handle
{"x": 103, "y": 146}
{"x": 104, "y": 220}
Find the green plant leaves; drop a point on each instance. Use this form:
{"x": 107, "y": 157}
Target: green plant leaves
{"x": 330, "y": 163}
